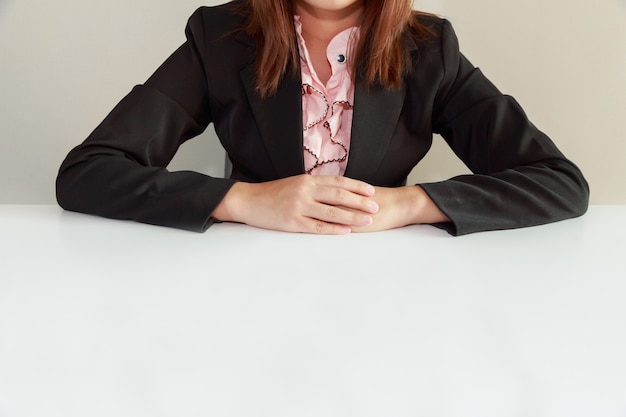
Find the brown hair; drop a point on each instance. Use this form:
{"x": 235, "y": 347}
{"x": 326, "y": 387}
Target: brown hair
{"x": 380, "y": 50}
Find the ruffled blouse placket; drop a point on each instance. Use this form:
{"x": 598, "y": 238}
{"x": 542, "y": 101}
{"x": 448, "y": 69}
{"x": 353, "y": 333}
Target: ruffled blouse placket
{"x": 327, "y": 109}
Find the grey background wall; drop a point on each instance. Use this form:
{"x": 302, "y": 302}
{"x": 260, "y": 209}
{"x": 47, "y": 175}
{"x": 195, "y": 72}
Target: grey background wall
{"x": 65, "y": 64}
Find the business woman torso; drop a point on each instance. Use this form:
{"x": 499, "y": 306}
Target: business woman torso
{"x": 520, "y": 177}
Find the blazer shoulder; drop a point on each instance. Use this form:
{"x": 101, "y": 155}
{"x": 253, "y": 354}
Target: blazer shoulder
{"x": 429, "y": 20}
{"x": 217, "y": 22}
{"x": 436, "y": 24}
{"x": 431, "y": 34}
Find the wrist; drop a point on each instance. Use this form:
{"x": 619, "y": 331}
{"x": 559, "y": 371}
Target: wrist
{"x": 421, "y": 208}
{"x": 229, "y": 209}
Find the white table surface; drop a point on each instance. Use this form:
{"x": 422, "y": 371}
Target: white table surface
{"x": 109, "y": 318}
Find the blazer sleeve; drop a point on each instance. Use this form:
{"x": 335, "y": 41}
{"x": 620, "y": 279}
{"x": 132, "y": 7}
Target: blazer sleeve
{"x": 120, "y": 172}
{"x": 519, "y": 178}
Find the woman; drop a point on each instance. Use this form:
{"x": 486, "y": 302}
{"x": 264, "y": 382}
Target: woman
{"x": 324, "y": 107}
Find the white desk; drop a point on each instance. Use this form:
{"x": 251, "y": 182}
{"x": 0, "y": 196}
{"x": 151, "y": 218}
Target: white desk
{"x": 107, "y": 318}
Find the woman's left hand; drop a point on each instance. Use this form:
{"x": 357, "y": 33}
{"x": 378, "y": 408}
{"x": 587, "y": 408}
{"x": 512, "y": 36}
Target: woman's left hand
{"x": 402, "y": 206}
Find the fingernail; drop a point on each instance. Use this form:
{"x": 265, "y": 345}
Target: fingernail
{"x": 370, "y": 190}
{"x": 367, "y": 220}
{"x": 373, "y": 207}
{"x": 346, "y": 230}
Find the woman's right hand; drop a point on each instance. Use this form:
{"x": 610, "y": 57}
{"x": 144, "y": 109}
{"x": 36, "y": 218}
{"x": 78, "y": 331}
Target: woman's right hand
{"x": 304, "y": 203}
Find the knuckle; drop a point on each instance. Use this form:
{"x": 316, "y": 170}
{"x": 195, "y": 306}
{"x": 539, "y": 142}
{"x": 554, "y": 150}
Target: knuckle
{"x": 298, "y": 225}
{"x": 318, "y": 227}
{"x": 340, "y": 195}
{"x": 340, "y": 180}
{"x": 331, "y": 212}
{"x": 297, "y": 210}
{"x": 300, "y": 189}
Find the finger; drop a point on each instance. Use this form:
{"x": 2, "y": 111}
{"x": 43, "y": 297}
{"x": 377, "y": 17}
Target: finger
{"x": 320, "y": 227}
{"x": 340, "y": 197}
{"x": 338, "y": 215}
{"x": 345, "y": 183}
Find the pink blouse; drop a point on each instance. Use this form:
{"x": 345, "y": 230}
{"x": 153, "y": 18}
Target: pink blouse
{"x": 327, "y": 109}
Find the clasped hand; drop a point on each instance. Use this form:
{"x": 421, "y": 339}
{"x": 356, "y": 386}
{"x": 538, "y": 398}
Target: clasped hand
{"x": 320, "y": 205}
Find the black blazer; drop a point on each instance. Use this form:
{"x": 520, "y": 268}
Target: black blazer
{"x": 520, "y": 177}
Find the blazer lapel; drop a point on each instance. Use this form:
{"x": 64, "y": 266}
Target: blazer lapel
{"x": 376, "y": 113}
{"x": 279, "y": 120}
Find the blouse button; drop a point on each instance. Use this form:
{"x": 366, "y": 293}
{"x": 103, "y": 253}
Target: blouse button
{"x": 341, "y": 58}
